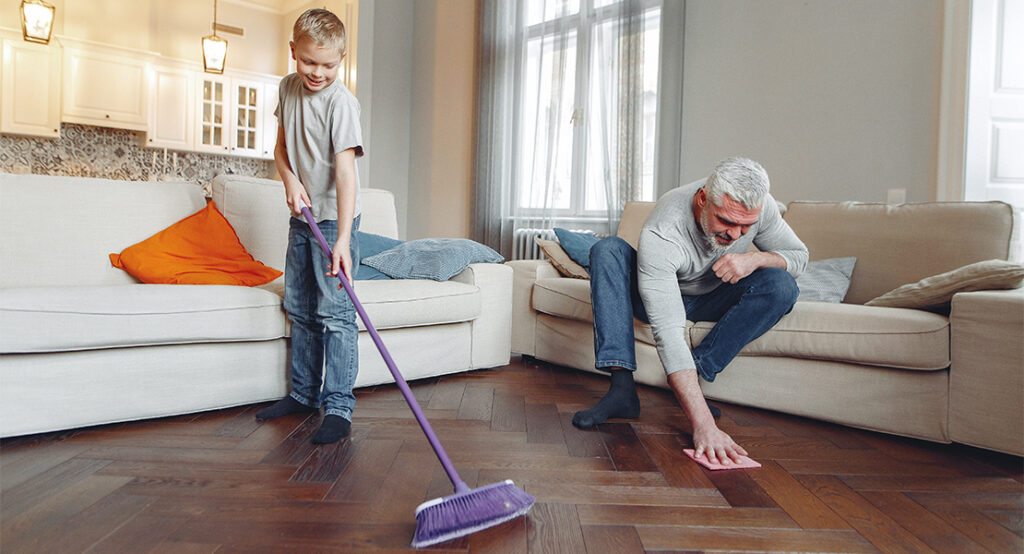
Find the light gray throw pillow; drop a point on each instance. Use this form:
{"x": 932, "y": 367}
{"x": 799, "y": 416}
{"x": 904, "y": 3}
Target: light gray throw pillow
{"x": 826, "y": 280}
{"x": 938, "y": 290}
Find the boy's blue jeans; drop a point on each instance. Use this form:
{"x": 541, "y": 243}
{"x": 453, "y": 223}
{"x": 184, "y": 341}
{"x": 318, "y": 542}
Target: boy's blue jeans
{"x": 323, "y": 321}
{"x": 744, "y": 311}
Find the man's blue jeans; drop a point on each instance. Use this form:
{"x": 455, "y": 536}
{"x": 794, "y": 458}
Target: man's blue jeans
{"x": 323, "y": 322}
{"x": 744, "y": 311}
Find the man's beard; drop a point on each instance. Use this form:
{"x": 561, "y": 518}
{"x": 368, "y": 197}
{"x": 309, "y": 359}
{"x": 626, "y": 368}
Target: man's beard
{"x": 716, "y": 247}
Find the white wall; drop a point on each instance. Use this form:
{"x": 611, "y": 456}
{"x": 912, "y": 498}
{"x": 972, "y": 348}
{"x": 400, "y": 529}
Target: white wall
{"x": 385, "y": 94}
{"x": 444, "y": 78}
{"x": 837, "y": 99}
{"x": 418, "y": 106}
{"x": 173, "y": 29}
{"x": 177, "y": 27}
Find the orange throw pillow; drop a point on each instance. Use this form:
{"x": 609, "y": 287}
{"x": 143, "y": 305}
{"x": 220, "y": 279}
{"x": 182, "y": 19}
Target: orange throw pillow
{"x": 201, "y": 249}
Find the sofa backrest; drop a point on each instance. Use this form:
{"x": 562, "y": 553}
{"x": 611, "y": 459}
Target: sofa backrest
{"x": 899, "y": 244}
{"x": 257, "y": 210}
{"x": 59, "y": 231}
{"x": 634, "y": 214}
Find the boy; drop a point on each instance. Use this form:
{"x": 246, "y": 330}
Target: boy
{"x": 318, "y": 140}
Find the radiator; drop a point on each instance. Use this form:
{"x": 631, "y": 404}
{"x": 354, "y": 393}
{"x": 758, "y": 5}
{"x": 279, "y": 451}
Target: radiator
{"x": 523, "y": 245}
{"x": 525, "y": 248}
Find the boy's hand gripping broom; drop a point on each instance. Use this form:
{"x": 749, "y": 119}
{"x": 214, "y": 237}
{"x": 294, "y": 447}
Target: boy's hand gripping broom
{"x": 466, "y": 511}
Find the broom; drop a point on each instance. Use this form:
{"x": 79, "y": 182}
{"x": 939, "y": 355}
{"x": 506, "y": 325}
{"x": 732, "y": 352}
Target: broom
{"x": 467, "y": 510}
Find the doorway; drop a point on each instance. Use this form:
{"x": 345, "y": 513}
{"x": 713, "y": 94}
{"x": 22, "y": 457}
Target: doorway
{"x": 994, "y": 150}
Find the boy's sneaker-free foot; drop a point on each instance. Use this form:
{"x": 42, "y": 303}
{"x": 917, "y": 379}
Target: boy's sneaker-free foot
{"x": 333, "y": 429}
{"x": 283, "y": 407}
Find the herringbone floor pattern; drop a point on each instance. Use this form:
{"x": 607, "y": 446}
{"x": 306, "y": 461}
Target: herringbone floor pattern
{"x": 221, "y": 482}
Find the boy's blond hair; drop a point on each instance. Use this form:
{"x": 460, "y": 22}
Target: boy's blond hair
{"x": 322, "y": 27}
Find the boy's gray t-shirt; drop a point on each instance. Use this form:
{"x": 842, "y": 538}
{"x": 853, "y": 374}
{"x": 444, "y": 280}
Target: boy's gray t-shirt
{"x": 318, "y": 125}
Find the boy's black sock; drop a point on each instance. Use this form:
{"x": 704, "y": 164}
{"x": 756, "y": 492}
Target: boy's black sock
{"x": 333, "y": 429}
{"x": 621, "y": 400}
{"x": 284, "y": 406}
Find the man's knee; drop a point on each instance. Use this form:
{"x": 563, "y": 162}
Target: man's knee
{"x": 781, "y": 286}
{"x": 609, "y": 249}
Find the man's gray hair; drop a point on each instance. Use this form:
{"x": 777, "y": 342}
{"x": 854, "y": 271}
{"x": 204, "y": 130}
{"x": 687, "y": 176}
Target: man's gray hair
{"x": 742, "y": 179}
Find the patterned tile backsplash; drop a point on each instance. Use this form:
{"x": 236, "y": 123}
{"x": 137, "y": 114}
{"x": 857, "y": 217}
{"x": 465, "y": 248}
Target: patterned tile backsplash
{"x": 87, "y": 151}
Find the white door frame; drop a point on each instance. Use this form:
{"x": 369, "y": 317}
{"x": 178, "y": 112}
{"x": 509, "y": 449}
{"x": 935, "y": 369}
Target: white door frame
{"x": 978, "y": 110}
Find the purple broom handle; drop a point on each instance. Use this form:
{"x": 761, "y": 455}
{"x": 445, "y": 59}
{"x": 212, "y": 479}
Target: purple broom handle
{"x": 460, "y": 486}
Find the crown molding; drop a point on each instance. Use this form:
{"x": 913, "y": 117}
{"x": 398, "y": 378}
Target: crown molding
{"x": 275, "y": 7}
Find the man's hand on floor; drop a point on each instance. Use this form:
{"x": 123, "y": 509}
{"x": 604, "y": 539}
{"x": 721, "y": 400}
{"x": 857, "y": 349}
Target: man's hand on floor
{"x": 718, "y": 446}
{"x": 708, "y": 439}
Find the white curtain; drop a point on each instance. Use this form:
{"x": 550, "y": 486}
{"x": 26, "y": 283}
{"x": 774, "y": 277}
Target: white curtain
{"x": 567, "y": 110}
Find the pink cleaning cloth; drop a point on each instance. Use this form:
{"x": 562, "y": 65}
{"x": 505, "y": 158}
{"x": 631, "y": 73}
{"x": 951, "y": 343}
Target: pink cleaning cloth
{"x": 745, "y": 462}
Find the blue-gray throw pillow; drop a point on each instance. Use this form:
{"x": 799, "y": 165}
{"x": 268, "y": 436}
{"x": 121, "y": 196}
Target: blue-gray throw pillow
{"x": 826, "y": 280}
{"x": 577, "y": 245}
{"x": 367, "y": 273}
{"x": 370, "y": 245}
{"x": 437, "y": 259}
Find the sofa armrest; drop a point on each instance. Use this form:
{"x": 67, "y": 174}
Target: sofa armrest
{"x": 492, "y": 329}
{"x": 524, "y": 318}
{"x": 987, "y": 370}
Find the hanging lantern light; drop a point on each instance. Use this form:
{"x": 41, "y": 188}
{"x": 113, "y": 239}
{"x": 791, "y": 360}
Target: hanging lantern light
{"x": 37, "y": 21}
{"x": 215, "y": 49}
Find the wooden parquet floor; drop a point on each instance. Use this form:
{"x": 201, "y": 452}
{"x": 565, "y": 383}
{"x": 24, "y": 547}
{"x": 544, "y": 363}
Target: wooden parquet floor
{"x": 221, "y": 482}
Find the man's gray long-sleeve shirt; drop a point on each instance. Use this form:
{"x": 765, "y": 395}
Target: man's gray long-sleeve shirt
{"x": 674, "y": 258}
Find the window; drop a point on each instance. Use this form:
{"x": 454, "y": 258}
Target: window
{"x": 585, "y": 127}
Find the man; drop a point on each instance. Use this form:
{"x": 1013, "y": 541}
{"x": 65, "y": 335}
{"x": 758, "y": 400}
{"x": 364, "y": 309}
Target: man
{"x": 693, "y": 263}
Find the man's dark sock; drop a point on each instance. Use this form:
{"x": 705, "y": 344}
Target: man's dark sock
{"x": 333, "y": 429}
{"x": 620, "y": 401}
{"x": 716, "y": 412}
{"x": 284, "y": 406}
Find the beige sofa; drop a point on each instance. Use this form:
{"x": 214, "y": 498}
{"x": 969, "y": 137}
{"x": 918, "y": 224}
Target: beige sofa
{"x": 903, "y": 371}
{"x": 83, "y": 343}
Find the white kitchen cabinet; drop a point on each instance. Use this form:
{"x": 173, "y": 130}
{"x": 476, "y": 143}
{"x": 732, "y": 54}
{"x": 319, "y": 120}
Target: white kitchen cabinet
{"x": 212, "y": 107}
{"x": 30, "y": 93}
{"x": 105, "y": 87}
{"x": 172, "y": 109}
{"x": 247, "y": 118}
{"x": 231, "y": 116}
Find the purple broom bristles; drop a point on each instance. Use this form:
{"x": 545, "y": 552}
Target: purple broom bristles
{"x": 462, "y": 513}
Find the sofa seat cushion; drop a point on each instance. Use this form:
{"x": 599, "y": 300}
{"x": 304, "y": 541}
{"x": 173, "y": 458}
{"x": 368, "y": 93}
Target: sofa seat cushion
{"x": 63, "y": 319}
{"x": 397, "y": 303}
{"x": 417, "y": 302}
{"x": 563, "y": 297}
{"x": 888, "y": 337}
{"x": 570, "y": 298}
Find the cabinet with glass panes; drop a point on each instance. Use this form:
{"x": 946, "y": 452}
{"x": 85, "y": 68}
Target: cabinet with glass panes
{"x": 212, "y": 135}
{"x": 230, "y": 116}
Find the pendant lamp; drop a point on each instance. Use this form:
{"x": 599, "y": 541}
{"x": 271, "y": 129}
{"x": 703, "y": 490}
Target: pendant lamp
{"x": 215, "y": 49}
{"x": 37, "y": 21}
